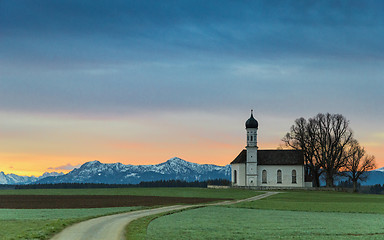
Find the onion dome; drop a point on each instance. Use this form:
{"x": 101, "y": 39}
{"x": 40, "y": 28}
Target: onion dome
{"x": 251, "y": 122}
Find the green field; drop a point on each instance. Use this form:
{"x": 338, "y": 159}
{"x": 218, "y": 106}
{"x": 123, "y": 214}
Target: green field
{"x": 42, "y": 223}
{"x": 169, "y": 192}
{"x": 314, "y": 201}
{"x": 240, "y": 223}
{"x": 289, "y": 215}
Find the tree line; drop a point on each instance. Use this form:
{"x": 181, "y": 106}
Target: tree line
{"x": 373, "y": 189}
{"x": 159, "y": 183}
{"x": 376, "y": 189}
{"x": 329, "y": 149}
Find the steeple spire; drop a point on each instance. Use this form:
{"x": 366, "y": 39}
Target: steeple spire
{"x": 251, "y": 122}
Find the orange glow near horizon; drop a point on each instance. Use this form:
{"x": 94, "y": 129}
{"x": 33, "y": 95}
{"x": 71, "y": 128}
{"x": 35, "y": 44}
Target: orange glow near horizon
{"x": 208, "y": 153}
{"x": 51, "y": 144}
{"x": 36, "y": 165}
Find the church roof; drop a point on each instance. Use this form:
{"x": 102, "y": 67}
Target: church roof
{"x": 241, "y": 158}
{"x": 273, "y": 157}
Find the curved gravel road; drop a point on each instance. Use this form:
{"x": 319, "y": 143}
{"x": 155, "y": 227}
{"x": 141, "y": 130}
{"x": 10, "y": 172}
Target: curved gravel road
{"x": 112, "y": 227}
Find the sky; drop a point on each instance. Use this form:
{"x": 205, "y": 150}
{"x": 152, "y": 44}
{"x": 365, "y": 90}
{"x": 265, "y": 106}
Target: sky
{"x": 140, "y": 82}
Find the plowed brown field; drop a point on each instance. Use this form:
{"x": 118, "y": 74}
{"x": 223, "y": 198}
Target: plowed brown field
{"x": 92, "y": 201}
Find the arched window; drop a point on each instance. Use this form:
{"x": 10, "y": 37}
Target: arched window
{"x": 234, "y": 176}
{"x": 264, "y": 176}
{"x": 294, "y": 176}
{"x": 251, "y": 138}
{"x": 279, "y": 176}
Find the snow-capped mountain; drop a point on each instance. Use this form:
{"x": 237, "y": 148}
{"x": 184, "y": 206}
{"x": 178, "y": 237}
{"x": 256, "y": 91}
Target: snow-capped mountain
{"x": 118, "y": 173}
{"x": 16, "y": 179}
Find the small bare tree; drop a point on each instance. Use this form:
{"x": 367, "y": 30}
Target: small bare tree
{"x": 358, "y": 163}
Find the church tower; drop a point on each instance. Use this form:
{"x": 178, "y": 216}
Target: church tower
{"x": 251, "y": 126}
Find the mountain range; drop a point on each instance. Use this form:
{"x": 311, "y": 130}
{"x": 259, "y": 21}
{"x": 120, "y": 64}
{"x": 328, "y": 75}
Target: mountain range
{"x": 118, "y": 173}
{"x": 16, "y": 179}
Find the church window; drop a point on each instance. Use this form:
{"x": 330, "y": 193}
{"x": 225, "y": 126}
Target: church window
{"x": 234, "y": 176}
{"x": 294, "y": 176}
{"x": 251, "y": 138}
{"x": 264, "y": 176}
{"x": 279, "y": 180}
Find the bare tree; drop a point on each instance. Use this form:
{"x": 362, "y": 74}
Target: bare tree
{"x": 332, "y": 136}
{"x": 301, "y": 138}
{"x": 323, "y": 140}
{"x": 358, "y": 163}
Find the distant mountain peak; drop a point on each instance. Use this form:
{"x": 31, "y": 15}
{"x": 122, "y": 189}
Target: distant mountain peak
{"x": 94, "y": 162}
{"x": 91, "y": 163}
{"x": 176, "y": 160}
{"x": 379, "y": 169}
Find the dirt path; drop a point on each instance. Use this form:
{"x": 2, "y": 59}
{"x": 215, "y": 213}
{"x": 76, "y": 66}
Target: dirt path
{"x": 112, "y": 227}
{"x": 267, "y": 194}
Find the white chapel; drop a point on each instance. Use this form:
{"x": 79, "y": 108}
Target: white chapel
{"x": 267, "y": 168}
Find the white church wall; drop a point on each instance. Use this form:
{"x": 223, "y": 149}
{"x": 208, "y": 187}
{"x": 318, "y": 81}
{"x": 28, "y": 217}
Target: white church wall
{"x": 286, "y": 171}
{"x": 240, "y": 169}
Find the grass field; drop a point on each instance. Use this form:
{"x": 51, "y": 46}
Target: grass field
{"x": 43, "y": 223}
{"x": 320, "y": 202}
{"x": 137, "y": 229}
{"x": 289, "y": 215}
{"x": 240, "y": 223}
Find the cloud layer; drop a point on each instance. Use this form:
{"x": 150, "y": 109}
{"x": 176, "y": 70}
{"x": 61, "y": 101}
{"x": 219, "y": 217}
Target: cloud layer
{"x": 103, "y": 60}
{"x": 96, "y": 56}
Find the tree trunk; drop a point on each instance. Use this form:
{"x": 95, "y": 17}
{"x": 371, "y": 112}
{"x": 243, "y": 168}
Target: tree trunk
{"x": 315, "y": 179}
{"x": 354, "y": 186}
{"x": 329, "y": 181}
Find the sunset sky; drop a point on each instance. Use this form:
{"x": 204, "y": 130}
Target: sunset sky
{"x": 139, "y": 82}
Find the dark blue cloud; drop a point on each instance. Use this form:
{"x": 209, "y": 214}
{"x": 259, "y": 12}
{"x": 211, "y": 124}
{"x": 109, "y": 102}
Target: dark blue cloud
{"x": 123, "y": 30}
{"x": 92, "y": 57}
